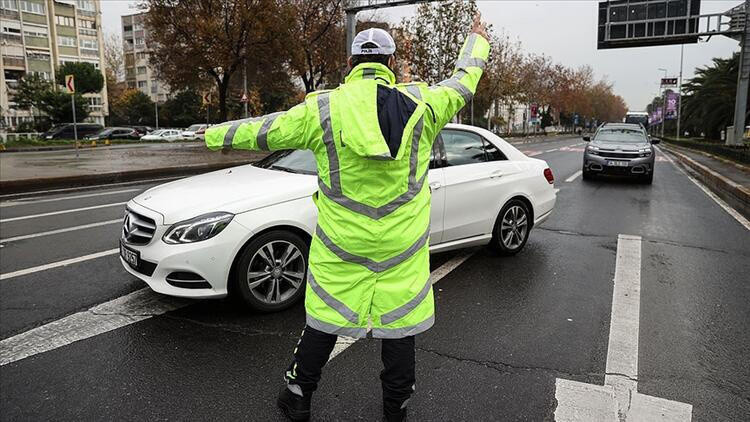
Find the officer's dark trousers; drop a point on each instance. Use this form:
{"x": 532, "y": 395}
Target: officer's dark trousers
{"x": 397, "y": 376}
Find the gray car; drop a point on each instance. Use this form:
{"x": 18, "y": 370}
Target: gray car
{"x": 620, "y": 149}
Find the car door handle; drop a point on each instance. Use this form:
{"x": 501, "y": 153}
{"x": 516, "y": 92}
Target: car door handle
{"x": 497, "y": 173}
{"x": 435, "y": 186}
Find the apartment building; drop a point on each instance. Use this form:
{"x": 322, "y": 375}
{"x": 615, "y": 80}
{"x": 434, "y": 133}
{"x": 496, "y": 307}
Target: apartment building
{"x": 37, "y": 36}
{"x": 138, "y": 73}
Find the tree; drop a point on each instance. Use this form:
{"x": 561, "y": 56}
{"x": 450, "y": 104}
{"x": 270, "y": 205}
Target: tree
{"x": 316, "y": 40}
{"x": 56, "y": 105}
{"x": 133, "y": 107}
{"x": 183, "y": 109}
{"x": 30, "y": 90}
{"x": 208, "y": 39}
{"x": 114, "y": 66}
{"x": 436, "y": 34}
{"x": 709, "y": 97}
{"x": 88, "y": 79}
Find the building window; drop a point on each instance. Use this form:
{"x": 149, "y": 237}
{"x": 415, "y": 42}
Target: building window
{"x": 140, "y": 41}
{"x": 9, "y": 5}
{"x": 127, "y": 28}
{"x": 142, "y": 55}
{"x": 141, "y": 70}
{"x": 83, "y": 23}
{"x": 11, "y": 28}
{"x": 66, "y": 41}
{"x": 34, "y": 31}
{"x": 131, "y": 85}
{"x": 86, "y": 5}
{"x": 37, "y": 55}
{"x": 137, "y": 26}
{"x": 30, "y": 7}
{"x": 141, "y": 84}
{"x": 88, "y": 44}
{"x": 44, "y": 75}
{"x": 65, "y": 20}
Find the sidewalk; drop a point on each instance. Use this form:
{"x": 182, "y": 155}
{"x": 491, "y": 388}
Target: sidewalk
{"x": 727, "y": 179}
{"x": 28, "y": 171}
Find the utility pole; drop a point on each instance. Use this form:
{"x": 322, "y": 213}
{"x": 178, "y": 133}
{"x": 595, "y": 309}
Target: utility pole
{"x": 156, "y": 104}
{"x": 679, "y": 106}
{"x": 743, "y": 82}
{"x": 244, "y": 87}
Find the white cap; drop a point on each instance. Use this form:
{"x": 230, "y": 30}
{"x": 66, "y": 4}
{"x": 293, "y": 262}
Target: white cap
{"x": 384, "y": 44}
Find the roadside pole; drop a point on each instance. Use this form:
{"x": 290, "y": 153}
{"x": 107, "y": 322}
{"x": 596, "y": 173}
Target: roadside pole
{"x": 679, "y": 93}
{"x": 743, "y": 82}
{"x": 244, "y": 86}
{"x": 351, "y": 26}
{"x": 156, "y": 104}
{"x": 70, "y": 87}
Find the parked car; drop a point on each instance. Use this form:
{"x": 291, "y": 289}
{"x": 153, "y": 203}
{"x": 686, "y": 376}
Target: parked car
{"x": 622, "y": 149}
{"x": 114, "y": 133}
{"x": 143, "y": 130}
{"x": 189, "y": 134}
{"x": 200, "y": 237}
{"x": 169, "y": 135}
{"x": 200, "y": 134}
{"x": 65, "y": 130}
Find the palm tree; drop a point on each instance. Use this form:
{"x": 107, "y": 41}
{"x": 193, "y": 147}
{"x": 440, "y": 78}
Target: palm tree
{"x": 709, "y": 97}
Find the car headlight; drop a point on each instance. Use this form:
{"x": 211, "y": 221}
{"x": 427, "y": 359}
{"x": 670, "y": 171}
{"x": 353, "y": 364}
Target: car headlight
{"x": 197, "y": 229}
{"x": 592, "y": 150}
{"x": 645, "y": 152}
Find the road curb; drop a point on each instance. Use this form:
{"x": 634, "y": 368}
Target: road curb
{"x": 736, "y": 195}
{"x": 30, "y": 185}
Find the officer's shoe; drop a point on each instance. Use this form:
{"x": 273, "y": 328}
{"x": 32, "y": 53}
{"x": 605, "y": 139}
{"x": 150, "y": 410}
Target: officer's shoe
{"x": 295, "y": 407}
{"x": 397, "y": 416}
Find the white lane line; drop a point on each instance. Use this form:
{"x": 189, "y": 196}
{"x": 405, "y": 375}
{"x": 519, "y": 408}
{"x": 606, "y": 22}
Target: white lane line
{"x": 343, "y": 343}
{"x": 731, "y": 211}
{"x": 65, "y": 198}
{"x": 89, "y": 187}
{"x": 574, "y": 176}
{"x": 46, "y": 214}
{"x": 58, "y": 264}
{"x": 550, "y": 150}
{"x": 618, "y": 399}
{"x": 137, "y": 306}
{"x": 58, "y": 231}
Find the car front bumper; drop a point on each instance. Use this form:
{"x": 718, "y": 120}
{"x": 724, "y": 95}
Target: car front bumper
{"x": 208, "y": 262}
{"x": 641, "y": 166}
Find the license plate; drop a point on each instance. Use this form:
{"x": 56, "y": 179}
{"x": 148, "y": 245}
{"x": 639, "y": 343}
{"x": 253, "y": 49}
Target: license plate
{"x": 129, "y": 256}
{"x": 617, "y": 163}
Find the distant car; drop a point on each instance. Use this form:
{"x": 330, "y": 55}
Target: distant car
{"x": 143, "y": 130}
{"x": 207, "y": 235}
{"x": 65, "y": 131}
{"x": 622, "y": 149}
{"x": 169, "y": 135}
{"x": 114, "y": 133}
{"x": 189, "y": 134}
{"x": 200, "y": 134}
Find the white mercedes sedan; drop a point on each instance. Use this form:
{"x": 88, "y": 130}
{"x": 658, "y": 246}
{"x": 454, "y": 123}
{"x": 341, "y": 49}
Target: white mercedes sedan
{"x": 246, "y": 230}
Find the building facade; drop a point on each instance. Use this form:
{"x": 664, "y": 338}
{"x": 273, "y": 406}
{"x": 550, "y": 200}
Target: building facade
{"x": 138, "y": 74}
{"x": 37, "y": 36}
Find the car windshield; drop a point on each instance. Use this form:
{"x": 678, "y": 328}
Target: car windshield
{"x": 104, "y": 132}
{"x": 193, "y": 128}
{"x": 620, "y": 134}
{"x": 158, "y": 132}
{"x": 292, "y": 161}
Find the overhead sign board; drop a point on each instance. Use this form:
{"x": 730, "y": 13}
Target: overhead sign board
{"x": 668, "y": 81}
{"x": 642, "y": 23}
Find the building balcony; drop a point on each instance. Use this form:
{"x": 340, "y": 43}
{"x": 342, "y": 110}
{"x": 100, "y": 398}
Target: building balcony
{"x": 89, "y": 52}
{"x": 14, "y": 62}
{"x": 11, "y": 14}
{"x": 11, "y": 39}
{"x": 88, "y": 13}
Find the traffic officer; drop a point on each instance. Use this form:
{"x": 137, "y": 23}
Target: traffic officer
{"x": 369, "y": 257}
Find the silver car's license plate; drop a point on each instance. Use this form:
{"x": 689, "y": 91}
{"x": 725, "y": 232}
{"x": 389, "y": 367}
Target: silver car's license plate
{"x": 617, "y": 163}
{"x": 129, "y": 256}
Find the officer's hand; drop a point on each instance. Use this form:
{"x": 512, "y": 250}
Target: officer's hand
{"x": 479, "y": 27}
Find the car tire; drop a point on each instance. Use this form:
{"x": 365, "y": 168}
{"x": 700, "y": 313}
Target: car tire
{"x": 586, "y": 175}
{"x": 509, "y": 238}
{"x": 271, "y": 271}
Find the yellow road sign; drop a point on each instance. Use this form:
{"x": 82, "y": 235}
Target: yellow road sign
{"x": 70, "y": 84}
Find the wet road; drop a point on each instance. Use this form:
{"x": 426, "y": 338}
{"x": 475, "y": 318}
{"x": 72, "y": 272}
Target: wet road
{"x": 508, "y": 328}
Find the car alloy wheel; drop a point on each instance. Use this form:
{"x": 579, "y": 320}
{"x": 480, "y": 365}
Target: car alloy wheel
{"x": 276, "y": 272}
{"x": 513, "y": 227}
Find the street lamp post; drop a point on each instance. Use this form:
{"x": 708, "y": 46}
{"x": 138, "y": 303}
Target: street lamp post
{"x": 679, "y": 106}
{"x": 156, "y": 104}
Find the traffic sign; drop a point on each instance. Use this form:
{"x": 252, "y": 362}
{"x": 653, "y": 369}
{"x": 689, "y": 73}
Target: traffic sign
{"x": 668, "y": 81}
{"x": 206, "y": 98}
{"x": 70, "y": 84}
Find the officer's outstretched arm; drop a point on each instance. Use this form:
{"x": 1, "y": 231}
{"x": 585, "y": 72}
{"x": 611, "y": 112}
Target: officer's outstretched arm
{"x": 282, "y": 130}
{"x": 452, "y": 94}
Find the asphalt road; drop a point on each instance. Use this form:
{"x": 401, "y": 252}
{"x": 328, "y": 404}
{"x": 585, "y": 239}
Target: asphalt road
{"x": 507, "y": 327}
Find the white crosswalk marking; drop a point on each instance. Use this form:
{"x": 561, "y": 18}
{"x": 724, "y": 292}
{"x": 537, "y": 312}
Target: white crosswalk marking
{"x": 47, "y": 214}
{"x": 64, "y": 198}
{"x": 58, "y": 231}
{"x": 574, "y": 176}
{"x": 58, "y": 264}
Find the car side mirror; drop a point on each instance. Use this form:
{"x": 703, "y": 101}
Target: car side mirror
{"x": 655, "y": 141}
{"x": 586, "y": 139}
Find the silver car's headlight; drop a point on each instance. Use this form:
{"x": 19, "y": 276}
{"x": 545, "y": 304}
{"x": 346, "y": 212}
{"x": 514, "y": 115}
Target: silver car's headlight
{"x": 592, "y": 150}
{"x": 645, "y": 152}
{"x": 197, "y": 229}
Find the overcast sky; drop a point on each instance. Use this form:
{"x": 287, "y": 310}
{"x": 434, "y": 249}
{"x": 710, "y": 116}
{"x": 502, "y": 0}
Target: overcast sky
{"x": 566, "y": 31}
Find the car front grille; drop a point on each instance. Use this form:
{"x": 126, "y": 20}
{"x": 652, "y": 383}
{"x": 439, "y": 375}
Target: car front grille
{"x": 609, "y": 154}
{"x": 138, "y": 229}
